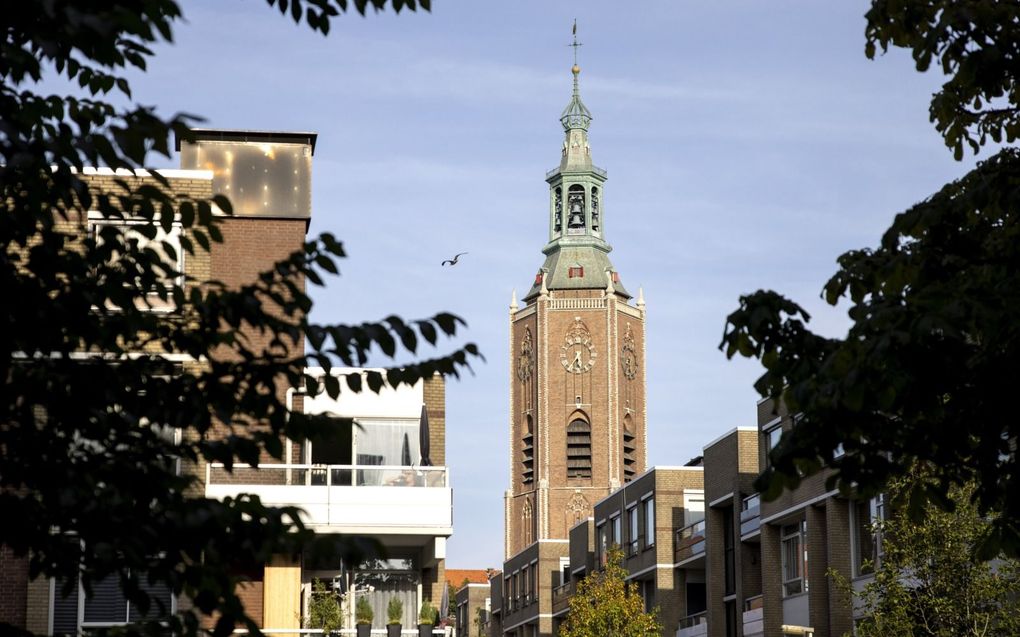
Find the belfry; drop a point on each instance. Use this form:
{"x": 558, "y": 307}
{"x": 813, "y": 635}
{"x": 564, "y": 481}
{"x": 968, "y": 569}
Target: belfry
{"x": 577, "y": 381}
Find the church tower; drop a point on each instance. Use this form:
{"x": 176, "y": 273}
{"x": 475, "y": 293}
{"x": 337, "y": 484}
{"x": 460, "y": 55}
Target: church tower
{"x": 577, "y": 377}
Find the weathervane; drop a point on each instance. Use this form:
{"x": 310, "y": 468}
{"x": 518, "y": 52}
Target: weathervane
{"x": 575, "y": 43}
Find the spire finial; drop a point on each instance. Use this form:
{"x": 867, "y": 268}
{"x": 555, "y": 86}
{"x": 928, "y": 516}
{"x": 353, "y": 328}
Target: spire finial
{"x": 576, "y": 70}
{"x": 576, "y": 115}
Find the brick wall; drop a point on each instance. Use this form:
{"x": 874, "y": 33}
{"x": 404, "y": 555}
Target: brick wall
{"x": 818, "y": 588}
{"x": 13, "y": 587}
{"x": 603, "y": 395}
{"x": 771, "y": 579}
{"x": 837, "y": 521}
{"x": 435, "y": 402}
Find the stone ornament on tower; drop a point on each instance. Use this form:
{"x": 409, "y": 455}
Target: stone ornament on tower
{"x": 628, "y": 355}
{"x": 526, "y": 359}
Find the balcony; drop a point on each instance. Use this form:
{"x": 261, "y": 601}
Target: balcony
{"x": 561, "y": 595}
{"x": 690, "y": 541}
{"x": 693, "y": 625}
{"x": 750, "y": 515}
{"x": 347, "y": 498}
{"x": 754, "y": 619}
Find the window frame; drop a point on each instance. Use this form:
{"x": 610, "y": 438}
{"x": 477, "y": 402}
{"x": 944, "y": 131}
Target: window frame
{"x": 96, "y": 221}
{"x": 795, "y": 534}
{"x": 649, "y": 521}
{"x": 633, "y": 530}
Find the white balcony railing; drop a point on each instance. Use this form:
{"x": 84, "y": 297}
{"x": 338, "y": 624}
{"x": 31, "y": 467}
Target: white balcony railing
{"x": 346, "y": 498}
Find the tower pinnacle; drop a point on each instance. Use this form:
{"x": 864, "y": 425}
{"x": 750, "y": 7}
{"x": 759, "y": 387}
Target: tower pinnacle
{"x": 576, "y": 115}
{"x": 577, "y": 255}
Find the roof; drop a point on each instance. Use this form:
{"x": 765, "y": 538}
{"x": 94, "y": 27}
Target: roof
{"x": 256, "y": 136}
{"x": 456, "y": 576}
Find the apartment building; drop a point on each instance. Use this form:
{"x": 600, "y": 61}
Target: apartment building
{"x": 473, "y": 601}
{"x": 381, "y": 476}
{"x": 732, "y": 531}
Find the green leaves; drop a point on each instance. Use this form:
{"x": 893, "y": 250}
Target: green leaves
{"x": 932, "y": 578}
{"x": 118, "y": 367}
{"x": 921, "y": 375}
{"x": 977, "y": 45}
{"x": 605, "y": 604}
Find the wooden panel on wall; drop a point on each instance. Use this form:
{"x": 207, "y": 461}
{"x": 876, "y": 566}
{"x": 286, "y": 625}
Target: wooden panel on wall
{"x": 281, "y": 604}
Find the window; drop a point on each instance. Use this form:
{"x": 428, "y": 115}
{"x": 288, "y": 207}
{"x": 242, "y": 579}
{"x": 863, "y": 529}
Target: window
{"x": 516, "y": 591}
{"x": 772, "y": 437}
{"x": 575, "y": 272}
{"x": 579, "y": 449}
{"x": 601, "y": 543}
{"x": 865, "y": 519}
{"x": 729, "y": 568}
{"x": 106, "y": 607}
{"x": 617, "y": 537}
{"x": 632, "y": 530}
{"x": 525, "y": 586}
{"x": 575, "y": 210}
{"x": 166, "y": 246}
{"x": 532, "y": 582}
{"x": 794, "y": 552}
{"x": 650, "y": 522}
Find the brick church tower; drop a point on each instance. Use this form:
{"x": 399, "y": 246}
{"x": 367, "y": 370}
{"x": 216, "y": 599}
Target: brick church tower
{"x": 577, "y": 377}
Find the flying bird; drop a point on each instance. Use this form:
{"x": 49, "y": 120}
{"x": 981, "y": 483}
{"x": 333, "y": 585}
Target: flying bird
{"x": 453, "y": 261}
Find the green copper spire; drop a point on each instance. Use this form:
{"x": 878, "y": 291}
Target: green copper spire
{"x": 577, "y": 255}
{"x": 576, "y": 114}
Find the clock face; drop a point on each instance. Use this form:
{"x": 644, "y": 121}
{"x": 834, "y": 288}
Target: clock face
{"x": 578, "y": 354}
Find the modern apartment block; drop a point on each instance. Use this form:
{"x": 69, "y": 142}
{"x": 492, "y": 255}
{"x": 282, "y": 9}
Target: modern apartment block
{"x": 732, "y": 535}
{"x": 474, "y": 603}
{"x": 651, "y": 519}
{"x": 381, "y": 476}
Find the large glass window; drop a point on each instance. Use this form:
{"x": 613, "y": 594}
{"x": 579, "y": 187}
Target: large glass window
{"x": 650, "y": 522}
{"x": 617, "y": 536}
{"x": 794, "y": 552}
{"x": 379, "y": 580}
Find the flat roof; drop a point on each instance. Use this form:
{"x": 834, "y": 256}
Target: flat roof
{"x": 241, "y": 135}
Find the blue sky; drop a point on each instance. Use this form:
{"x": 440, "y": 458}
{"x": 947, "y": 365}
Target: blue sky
{"x": 748, "y": 144}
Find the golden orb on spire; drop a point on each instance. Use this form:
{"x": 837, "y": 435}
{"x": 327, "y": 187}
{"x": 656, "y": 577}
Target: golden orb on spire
{"x": 575, "y": 70}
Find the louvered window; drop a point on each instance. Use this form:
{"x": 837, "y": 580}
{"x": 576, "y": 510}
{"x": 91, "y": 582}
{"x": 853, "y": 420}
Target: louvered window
{"x": 579, "y": 449}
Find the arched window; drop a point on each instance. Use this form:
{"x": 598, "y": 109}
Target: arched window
{"x": 595, "y": 209}
{"x": 558, "y": 210}
{"x": 575, "y": 208}
{"x": 579, "y": 448}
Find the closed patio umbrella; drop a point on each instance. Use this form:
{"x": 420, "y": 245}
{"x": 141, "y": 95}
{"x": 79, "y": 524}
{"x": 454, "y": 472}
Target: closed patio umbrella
{"x": 405, "y": 451}
{"x": 423, "y": 437}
